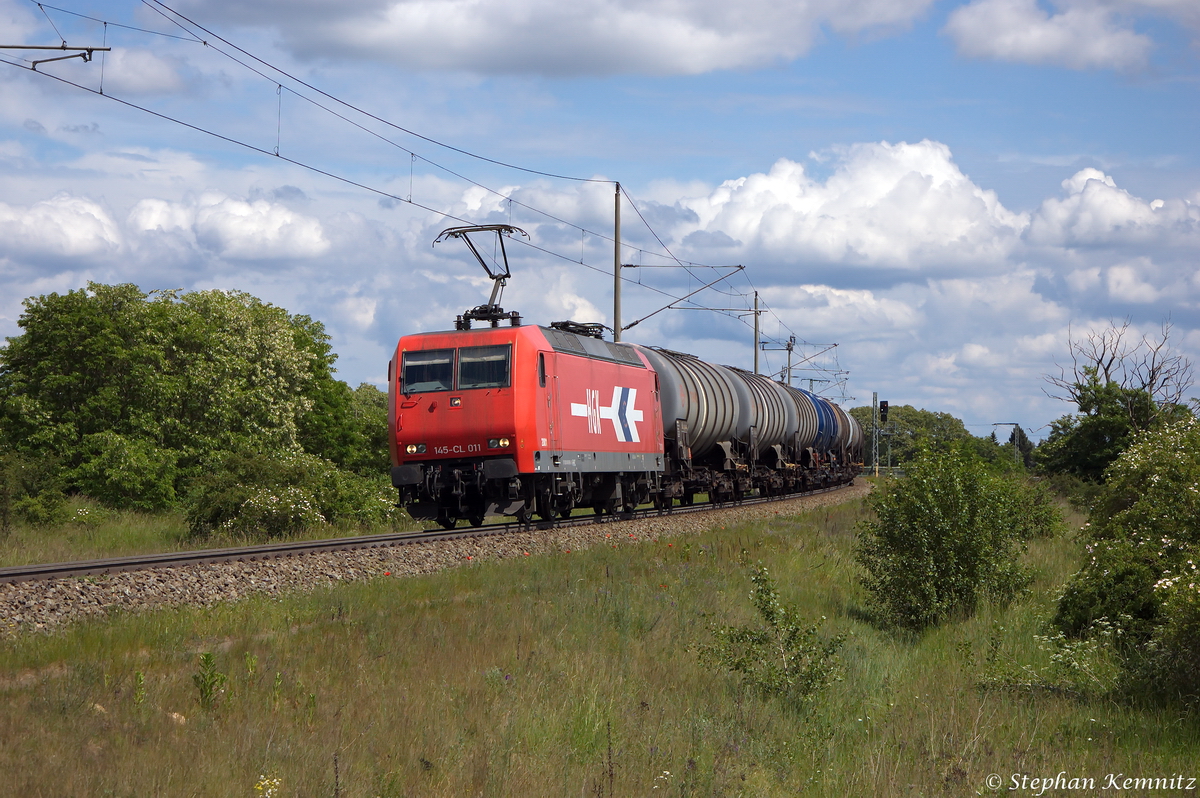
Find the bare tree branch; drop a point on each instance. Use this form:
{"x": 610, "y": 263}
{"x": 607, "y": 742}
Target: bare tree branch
{"x": 1150, "y": 368}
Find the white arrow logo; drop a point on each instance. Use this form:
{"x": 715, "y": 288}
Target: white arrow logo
{"x": 622, "y": 413}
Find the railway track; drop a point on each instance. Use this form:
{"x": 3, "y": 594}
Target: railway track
{"x": 268, "y": 551}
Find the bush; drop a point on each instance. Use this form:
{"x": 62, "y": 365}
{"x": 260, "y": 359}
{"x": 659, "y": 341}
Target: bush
{"x": 1143, "y": 540}
{"x": 127, "y": 473}
{"x": 947, "y": 538}
{"x": 29, "y": 492}
{"x": 253, "y": 493}
{"x": 783, "y": 657}
{"x": 1173, "y": 656}
{"x": 1036, "y": 513}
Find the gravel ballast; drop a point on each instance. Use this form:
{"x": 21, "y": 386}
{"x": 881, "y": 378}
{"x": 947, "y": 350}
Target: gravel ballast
{"x": 46, "y": 605}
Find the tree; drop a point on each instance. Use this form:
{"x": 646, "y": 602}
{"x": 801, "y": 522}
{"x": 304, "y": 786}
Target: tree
{"x": 129, "y": 392}
{"x": 911, "y": 429}
{"x": 1020, "y": 441}
{"x": 1120, "y": 387}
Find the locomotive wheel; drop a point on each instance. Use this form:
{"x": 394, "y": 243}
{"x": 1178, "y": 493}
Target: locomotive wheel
{"x": 476, "y": 520}
{"x": 447, "y": 521}
{"x": 546, "y": 508}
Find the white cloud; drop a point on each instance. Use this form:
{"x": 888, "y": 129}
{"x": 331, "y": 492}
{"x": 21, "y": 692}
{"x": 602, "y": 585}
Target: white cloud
{"x": 130, "y": 71}
{"x": 828, "y": 308}
{"x": 359, "y": 311}
{"x": 257, "y": 230}
{"x": 935, "y": 290}
{"x": 63, "y": 226}
{"x": 582, "y": 37}
{"x": 1084, "y": 35}
{"x": 232, "y": 228}
{"x": 894, "y": 205}
{"x": 1126, "y": 283}
{"x": 1095, "y": 211}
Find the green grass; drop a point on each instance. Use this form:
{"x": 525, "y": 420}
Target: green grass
{"x": 96, "y": 532}
{"x": 559, "y": 675}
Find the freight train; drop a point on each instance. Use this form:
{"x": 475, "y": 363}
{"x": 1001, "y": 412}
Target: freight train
{"x": 516, "y": 419}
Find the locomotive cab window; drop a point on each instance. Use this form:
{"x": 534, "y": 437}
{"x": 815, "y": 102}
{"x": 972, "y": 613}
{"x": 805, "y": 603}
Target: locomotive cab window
{"x": 484, "y": 366}
{"x": 428, "y": 370}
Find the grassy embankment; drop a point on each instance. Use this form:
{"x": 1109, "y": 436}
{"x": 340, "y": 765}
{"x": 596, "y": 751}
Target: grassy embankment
{"x": 557, "y": 675}
{"x": 96, "y": 532}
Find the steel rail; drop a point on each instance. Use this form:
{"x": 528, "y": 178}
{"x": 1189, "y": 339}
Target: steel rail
{"x": 270, "y": 551}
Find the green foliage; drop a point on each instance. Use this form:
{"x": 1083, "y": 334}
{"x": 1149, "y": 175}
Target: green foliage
{"x": 947, "y": 538}
{"x": 1110, "y": 415}
{"x": 782, "y": 657}
{"x": 130, "y": 393}
{"x": 126, "y": 473}
{"x": 1173, "y": 655}
{"x": 911, "y": 430}
{"x": 1142, "y": 544}
{"x": 209, "y": 681}
{"x": 347, "y": 426}
{"x": 1081, "y": 493}
{"x": 1036, "y": 514}
{"x": 29, "y": 492}
{"x": 257, "y": 494}
{"x": 1024, "y": 446}
{"x": 1081, "y": 667}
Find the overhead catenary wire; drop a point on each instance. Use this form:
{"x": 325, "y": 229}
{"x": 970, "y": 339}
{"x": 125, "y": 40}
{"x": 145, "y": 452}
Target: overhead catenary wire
{"x": 314, "y": 169}
{"x": 161, "y": 9}
{"x": 117, "y": 24}
{"x": 267, "y": 64}
{"x": 174, "y": 17}
{"x": 413, "y": 155}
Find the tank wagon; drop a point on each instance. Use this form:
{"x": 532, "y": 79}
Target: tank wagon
{"x": 513, "y": 419}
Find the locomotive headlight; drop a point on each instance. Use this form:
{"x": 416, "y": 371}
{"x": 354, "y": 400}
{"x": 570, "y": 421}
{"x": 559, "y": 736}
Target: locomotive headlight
{"x": 415, "y": 448}
{"x": 504, "y": 443}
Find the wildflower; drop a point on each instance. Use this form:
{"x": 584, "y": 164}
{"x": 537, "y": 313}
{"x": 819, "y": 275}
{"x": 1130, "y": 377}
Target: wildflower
{"x": 387, "y": 573}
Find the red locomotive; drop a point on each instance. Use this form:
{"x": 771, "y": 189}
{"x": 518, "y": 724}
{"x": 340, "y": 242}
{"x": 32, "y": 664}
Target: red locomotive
{"x": 512, "y": 420}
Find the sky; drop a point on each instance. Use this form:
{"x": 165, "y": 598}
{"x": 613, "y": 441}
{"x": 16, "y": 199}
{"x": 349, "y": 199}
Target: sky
{"x": 949, "y": 191}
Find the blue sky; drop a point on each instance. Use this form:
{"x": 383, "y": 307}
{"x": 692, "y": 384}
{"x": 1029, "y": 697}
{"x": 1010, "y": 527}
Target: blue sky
{"x": 944, "y": 189}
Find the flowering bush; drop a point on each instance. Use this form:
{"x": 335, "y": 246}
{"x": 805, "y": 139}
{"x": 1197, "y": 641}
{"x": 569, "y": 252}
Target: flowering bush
{"x": 1143, "y": 541}
{"x": 1174, "y": 650}
{"x": 275, "y": 512}
{"x": 275, "y": 495}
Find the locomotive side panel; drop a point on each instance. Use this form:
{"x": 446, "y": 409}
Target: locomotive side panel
{"x": 603, "y": 416}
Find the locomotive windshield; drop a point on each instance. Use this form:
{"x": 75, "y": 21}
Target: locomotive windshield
{"x": 429, "y": 370}
{"x": 483, "y": 366}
